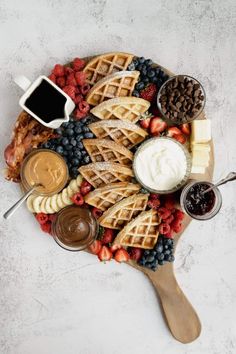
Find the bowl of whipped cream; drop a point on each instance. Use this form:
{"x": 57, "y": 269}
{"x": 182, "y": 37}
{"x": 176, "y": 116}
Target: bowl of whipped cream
{"x": 162, "y": 165}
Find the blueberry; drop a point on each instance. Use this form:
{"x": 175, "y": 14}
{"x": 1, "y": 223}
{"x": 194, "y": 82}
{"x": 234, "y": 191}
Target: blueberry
{"x": 151, "y": 73}
{"x": 150, "y": 258}
{"x": 85, "y": 129}
{"x": 166, "y": 247}
{"x": 141, "y": 60}
{"x": 148, "y": 62}
{"x": 70, "y": 154}
{"x": 167, "y": 252}
{"x": 160, "y": 262}
{"x": 75, "y": 162}
{"x": 160, "y": 257}
{"x": 153, "y": 253}
{"x": 140, "y": 67}
{"x": 69, "y": 165}
{"x": 83, "y": 152}
{"x": 59, "y": 149}
{"x": 65, "y": 125}
{"x": 146, "y": 80}
{"x": 88, "y": 135}
{"x": 139, "y": 86}
{"x": 80, "y": 145}
{"x": 65, "y": 153}
{"x": 84, "y": 120}
{"x": 146, "y": 253}
{"x": 135, "y": 61}
{"x": 148, "y": 265}
{"x": 78, "y": 130}
{"x": 53, "y": 147}
{"x": 159, "y": 248}
{"x": 154, "y": 79}
{"x": 73, "y": 142}
{"x": 71, "y": 126}
{"x": 69, "y": 132}
{"x": 144, "y": 72}
{"x": 131, "y": 66}
{"x": 135, "y": 93}
{"x": 65, "y": 141}
{"x": 172, "y": 258}
{"x": 47, "y": 145}
{"x": 86, "y": 159}
{"x": 77, "y": 154}
{"x": 79, "y": 137}
{"x": 68, "y": 147}
{"x": 74, "y": 172}
{"x": 58, "y": 131}
{"x": 157, "y": 70}
{"x": 142, "y": 262}
{"x": 169, "y": 241}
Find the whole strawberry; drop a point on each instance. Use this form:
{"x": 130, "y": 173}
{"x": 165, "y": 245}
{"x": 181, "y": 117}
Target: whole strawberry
{"x": 149, "y": 93}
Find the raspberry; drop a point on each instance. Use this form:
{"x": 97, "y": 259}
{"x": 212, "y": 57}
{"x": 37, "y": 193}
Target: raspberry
{"x": 164, "y": 228}
{"x": 77, "y": 199}
{"x": 71, "y": 80}
{"x": 169, "y": 219}
{"x": 154, "y": 196}
{"x": 77, "y": 90}
{"x": 154, "y": 203}
{"x": 78, "y": 98}
{"x": 46, "y": 227}
{"x": 70, "y": 91}
{"x": 78, "y": 114}
{"x": 52, "y": 77}
{"x": 42, "y": 218}
{"x": 169, "y": 202}
{"x": 85, "y": 187}
{"x": 61, "y": 81}
{"x": 78, "y": 64}
{"x": 58, "y": 70}
{"x": 176, "y": 225}
{"x": 164, "y": 213}
{"x": 80, "y": 78}
{"x": 179, "y": 214}
{"x": 83, "y": 106}
{"x": 69, "y": 70}
{"x": 169, "y": 234}
{"x": 52, "y": 217}
{"x": 97, "y": 212}
{"x": 85, "y": 89}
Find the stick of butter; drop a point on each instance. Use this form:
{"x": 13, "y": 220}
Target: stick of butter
{"x": 198, "y": 169}
{"x": 201, "y": 131}
{"x": 200, "y": 147}
{"x": 200, "y": 158}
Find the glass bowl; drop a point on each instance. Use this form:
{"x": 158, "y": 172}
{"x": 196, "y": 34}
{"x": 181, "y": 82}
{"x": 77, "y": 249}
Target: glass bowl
{"x": 212, "y": 212}
{"x": 187, "y": 172}
{"x": 184, "y": 119}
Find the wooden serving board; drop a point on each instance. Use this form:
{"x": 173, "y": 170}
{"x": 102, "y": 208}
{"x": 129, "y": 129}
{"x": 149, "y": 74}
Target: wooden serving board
{"x": 179, "y": 314}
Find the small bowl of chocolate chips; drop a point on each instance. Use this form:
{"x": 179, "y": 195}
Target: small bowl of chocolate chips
{"x": 181, "y": 99}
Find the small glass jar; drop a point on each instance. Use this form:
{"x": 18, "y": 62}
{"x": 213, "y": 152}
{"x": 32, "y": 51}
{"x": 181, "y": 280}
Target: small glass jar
{"x": 212, "y": 212}
{"x": 185, "y": 119}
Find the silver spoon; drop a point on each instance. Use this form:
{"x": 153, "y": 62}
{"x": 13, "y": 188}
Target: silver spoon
{"x": 230, "y": 177}
{"x": 12, "y": 210}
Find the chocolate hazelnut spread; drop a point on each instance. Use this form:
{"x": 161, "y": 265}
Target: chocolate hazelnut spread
{"x": 74, "y": 227}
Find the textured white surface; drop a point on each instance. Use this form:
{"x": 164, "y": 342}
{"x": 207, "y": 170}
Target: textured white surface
{"x": 58, "y": 302}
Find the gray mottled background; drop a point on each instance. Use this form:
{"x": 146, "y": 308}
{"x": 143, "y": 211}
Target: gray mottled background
{"x": 57, "y": 302}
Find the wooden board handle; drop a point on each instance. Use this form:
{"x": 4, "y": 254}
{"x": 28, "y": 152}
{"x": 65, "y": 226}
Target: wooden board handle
{"x": 181, "y": 317}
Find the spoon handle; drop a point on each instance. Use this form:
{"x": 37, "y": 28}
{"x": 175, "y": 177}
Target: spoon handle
{"x": 12, "y": 210}
{"x": 230, "y": 177}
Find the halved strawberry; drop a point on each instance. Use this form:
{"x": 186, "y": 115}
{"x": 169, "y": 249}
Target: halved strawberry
{"x": 97, "y": 212}
{"x": 95, "y": 247}
{"x": 145, "y": 122}
{"x": 149, "y": 93}
{"x": 171, "y": 131}
{"x": 122, "y": 255}
{"x": 157, "y": 126}
{"x": 135, "y": 253}
{"x": 185, "y": 128}
{"x": 85, "y": 187}
{"x": 108, "y": 236}
{"x": 105, "y": 254}
{"x": 181, "y": 138}
{"x": 114, "y": 248}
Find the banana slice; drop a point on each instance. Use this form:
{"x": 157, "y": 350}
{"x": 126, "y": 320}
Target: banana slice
{"x": 60, "y": 201}
{"x": 54, "y": 204}
{"x": 43, "y": 205}
{"x": 79, "y": 180}
{"x": 70, "y": 191}
{"x": 29, "y": 203}
{"x": 37, "y": 204}
{"x": 73, "y": 185}
{"x": 48, "y": 206}
{"x": 66, "y": 198}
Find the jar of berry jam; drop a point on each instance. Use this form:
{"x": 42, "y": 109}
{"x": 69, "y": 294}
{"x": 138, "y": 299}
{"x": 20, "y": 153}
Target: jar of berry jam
{"x": 198, "y": 205}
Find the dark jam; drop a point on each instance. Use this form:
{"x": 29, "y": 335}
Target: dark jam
{"x": 198, "y": 203}
{"x": 46, "y": 102}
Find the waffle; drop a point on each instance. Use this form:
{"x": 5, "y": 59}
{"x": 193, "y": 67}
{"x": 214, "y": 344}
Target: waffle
{"x": 106, "y": 150}
{"x": 106, "y": 64}
{"x": 103, "y": 198}
{"x": 101, "y": 173}
{"x": 122, "y": 212}
{"x": 124, "y": 108}
{"x": 140, "y": 232}
{"x": 124, "y": 133}
{"x": 119, "y": 84}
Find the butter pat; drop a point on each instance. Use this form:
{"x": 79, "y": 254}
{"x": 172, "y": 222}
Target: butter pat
{"x": 198, "y": 169}
{"x": 201, "y": 131}
{"x": 200, "y": 147}
{"x": 200, "y": 158}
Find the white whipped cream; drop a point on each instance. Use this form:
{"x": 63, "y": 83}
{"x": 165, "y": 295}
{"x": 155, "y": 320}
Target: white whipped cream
{"x": 161, "y": 164}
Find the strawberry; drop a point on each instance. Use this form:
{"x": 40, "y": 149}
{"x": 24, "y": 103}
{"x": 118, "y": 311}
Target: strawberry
{"x": 70, "y": 80}
{"x": 164, "y": 213}
{"x": 46, "y": 227}
{"x": 61, "y": 81}
{"x": 78, "y": 64}
{"x": 122, "y": 255}
{"x": 114, "y": 248}
{"x": 77, "y": 199}
{"x": 52, "y": 77}
{"x": 108, "y": 236}
{"x": 70, "y": 91}
{"x": 105, "y": 254}
{"x": 135, "y": 253}
{"x": 149, "y": 93}
{"x": 176, "y": 225}
{"x": 95, "y": 247}
{"x": 58, "y": 70}
{"x": 85, "y": 187}
{"x": 164, "y": 228}
{"x": 85, "y": 89}
{"x": 185, "y": 128}
{"x": 181, "y": 138}
{"x": 179, "y": 214}
{"x": 145, "y": 122}
{"x": 169, "y": 201}
{"x": 42, "y": 218}
{"x": 157, "y": 126}
{"x": 97, "y": 212}
{"x": 80, "y": 78}
{"x": 171, "y": 131}
{"x": 153, "y": 203}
